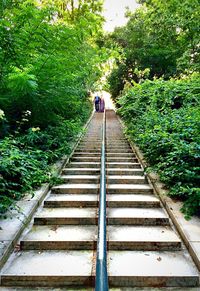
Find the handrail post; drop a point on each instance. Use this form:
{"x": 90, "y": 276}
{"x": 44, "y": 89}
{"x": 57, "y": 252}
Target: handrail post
{"x": 101, "y": 283}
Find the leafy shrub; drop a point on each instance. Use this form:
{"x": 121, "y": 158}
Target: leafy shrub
{"x": 25, "y": 159}
{"x": 22, "y": 82}
{"x": 20, "y": 171}
{"x": 163, "y": 118}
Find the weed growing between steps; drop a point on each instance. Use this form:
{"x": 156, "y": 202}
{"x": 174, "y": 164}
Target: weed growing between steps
{"x": 26, "y": 159}
{"x": 163, "y": 118}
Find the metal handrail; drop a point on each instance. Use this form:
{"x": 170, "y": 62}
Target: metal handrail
{"x": 101, "y": 283}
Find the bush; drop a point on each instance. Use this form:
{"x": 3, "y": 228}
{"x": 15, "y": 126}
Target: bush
{"x": 20, "y": 171}
{"x": 25, "y": 159}
{"x": 163, "y": 119}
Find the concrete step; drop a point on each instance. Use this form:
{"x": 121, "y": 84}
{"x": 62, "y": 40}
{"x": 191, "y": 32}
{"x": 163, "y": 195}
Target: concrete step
{"x": 126, "y": 179}
{"x": 81, "y": 171}
{"x": 89, "y": 145}
{"x": 118, "y": 150}
{"x": 117, "y": 147}
{"x": 151, "y": 269}
{"x": 118, "y": 141}
{"x": 91, "y": 139}
{"x": 129, "y": 189}
{"x": 132, "y": 200}
{"x": 150, "y": 238}
{"x": 50, "y": 269}
{"x": 84, "y": 165}
{"x": 91, "y": 200}
{"x": 64, "y": 237}
{"x": 66, "y": 216}
{"x": 120, "y": 155}
{"x": 71, "y": 200}
{"x": 75, "y": 189}
{"x": 91, "y": 150}
{"x": 81, "y": 179}
{"x": 86, "y": 159}
{"x": 124, "y": 171}
{"x": 119, "y": 216}
{"x": 117, "y": 138}
{"x": 122, "y": 159}
{"x": 137, "y": 216}
{"x": 87, "y": 154}
{"x": 123, "y": 165}
{"x": 92, "y": 135}
{"x": 117, "y": 144}
{"x": 97, "y": 158}
{"x": 94, "y": 154}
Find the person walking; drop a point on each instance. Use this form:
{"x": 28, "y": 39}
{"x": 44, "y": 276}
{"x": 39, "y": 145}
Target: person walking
{"x": 97, "y": 100}
{"x": 102, "y": 104}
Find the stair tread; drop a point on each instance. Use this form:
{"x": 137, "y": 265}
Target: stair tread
{"x": 136, "y": 212}
{"x": 80, "y": 177}
{"x": 150, "y": 263}
{"x": 124, "y": 169}
{"x": 129, "y": 186}
{"x": 51, "y": 263}
{"x": 62, "y": 233}
{"x": 79, "y": 263}
{"x": 132, "y": 197}
{"x": 128, "y": 177}
{"x": 120, "y": 212}
{"x": 141, "y": 234}
{"x": 76, "y": 186}
{"x": 81, "y": 169}
{"x": 122, "y": 163}
{"x": 121, "y": 158}
{"x": 84, "y": 163}
{"x": 72, "y": 197}
{"x": 89, "y": 233}
{"x": 70, "y": 212}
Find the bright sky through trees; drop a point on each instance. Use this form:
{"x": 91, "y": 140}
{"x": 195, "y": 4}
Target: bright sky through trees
{"x": 114, "y": 11}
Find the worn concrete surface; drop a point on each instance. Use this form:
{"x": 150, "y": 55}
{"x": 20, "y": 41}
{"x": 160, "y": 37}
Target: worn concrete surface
{"x": 53, "y": 268}
{"x": 157, "y": 268}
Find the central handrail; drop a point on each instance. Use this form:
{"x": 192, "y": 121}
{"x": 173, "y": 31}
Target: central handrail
{"x": 101, "y": 283}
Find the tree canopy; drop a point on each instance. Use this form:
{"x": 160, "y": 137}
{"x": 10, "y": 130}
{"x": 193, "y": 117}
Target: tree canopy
{"x": 49, "y": 58}
{"x": 161, "y": 38}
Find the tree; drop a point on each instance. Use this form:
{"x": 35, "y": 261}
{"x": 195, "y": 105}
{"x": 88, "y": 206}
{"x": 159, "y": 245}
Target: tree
{"x": 49, "y": 58}
{"x": 162, "y": 36}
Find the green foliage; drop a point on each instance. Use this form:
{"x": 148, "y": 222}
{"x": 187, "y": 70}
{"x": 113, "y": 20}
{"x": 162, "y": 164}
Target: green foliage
{"x": 162, "y": 36}
{"x": 20, "y": 171}
{"x": 25, "y": 159}
{"x": 49, "y": 61}
{"x": 163, "y": 118}
{"x": 21, "y": 82}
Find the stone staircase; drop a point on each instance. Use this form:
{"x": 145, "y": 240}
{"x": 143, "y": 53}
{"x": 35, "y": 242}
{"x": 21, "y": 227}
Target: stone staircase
{"x": 59, "y": 249}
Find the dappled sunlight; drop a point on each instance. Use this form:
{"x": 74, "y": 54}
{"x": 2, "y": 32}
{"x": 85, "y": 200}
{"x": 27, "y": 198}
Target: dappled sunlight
{"x": 108, "y": 101}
